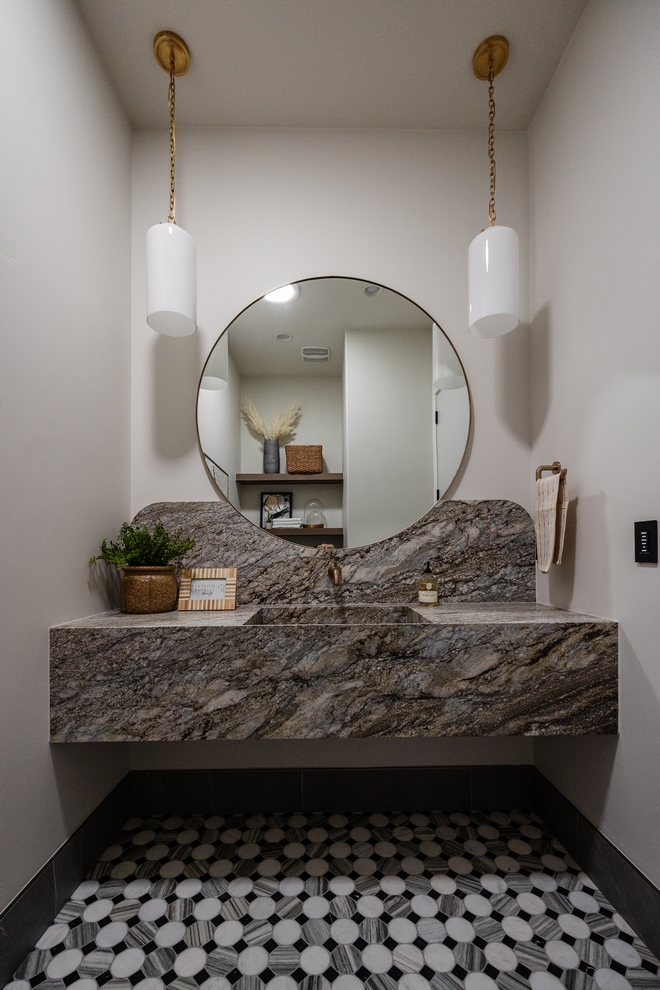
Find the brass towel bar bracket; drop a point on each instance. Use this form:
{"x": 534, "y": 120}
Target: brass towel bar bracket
{"x": 555, "y": 467}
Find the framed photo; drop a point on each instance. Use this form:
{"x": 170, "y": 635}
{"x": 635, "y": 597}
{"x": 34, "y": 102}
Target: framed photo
{"x": 207, "y": 589}
{"x": 275, "y": 505}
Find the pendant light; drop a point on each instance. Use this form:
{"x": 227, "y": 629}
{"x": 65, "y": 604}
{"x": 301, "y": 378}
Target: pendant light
{"x": 216, "y": 370}
{"x": 448, "y": 372}
{"x": 493, "y": 264}
{"x": 171, "y": 255}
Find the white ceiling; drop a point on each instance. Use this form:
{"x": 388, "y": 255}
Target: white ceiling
{"x": 324, "y": 310}
{"x": 332, "y": 63}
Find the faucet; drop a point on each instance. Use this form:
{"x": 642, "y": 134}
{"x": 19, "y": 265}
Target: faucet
{"x": 334, "y": 572}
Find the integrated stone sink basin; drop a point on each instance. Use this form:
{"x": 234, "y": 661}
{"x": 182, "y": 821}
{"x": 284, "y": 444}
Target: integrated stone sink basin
{"x": 336, "y": 615}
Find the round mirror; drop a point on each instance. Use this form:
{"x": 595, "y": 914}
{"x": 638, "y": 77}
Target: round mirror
{"x": 333, "y": 411}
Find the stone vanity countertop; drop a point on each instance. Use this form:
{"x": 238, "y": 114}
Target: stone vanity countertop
{"x": 119, "y": 620}
{"x": 461, "y": 613}
{"x": 456, "y": 669}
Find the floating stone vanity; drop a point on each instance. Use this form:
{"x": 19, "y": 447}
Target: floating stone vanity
{"x": 301, "y": 659}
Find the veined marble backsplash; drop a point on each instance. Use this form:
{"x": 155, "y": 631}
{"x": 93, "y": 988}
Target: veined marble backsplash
{"x": 480, "y": 551}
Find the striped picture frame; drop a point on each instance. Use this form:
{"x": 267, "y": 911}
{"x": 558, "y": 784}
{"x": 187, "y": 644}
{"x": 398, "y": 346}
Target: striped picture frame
{"x": 202, "y": 602}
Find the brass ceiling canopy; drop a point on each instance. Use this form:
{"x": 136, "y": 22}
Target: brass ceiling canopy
{"x": 496, "y": 47}
{"x": 168, "y": 44}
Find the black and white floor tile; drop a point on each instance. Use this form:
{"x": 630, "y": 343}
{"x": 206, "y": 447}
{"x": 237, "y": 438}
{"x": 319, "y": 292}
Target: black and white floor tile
{"x": 338, "y": 902}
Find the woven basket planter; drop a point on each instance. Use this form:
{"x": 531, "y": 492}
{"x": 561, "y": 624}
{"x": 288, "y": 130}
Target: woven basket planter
{"x": 145, "y": 590}
{"x": 302, "y": 459}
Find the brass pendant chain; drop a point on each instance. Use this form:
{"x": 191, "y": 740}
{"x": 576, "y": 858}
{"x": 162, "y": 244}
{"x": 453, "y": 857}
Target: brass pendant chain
{"x": 491, "y": 141}
{"x": 170, "y": 106}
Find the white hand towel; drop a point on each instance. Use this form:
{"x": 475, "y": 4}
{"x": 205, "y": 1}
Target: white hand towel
{"x": 562, "y": 511}
{"x": 547, "y": 491}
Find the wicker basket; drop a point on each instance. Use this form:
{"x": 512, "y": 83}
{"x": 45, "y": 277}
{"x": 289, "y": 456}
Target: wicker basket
{"x": 304, "y": 459}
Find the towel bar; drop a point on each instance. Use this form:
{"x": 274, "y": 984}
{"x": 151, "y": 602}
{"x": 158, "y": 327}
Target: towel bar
{"x": 555, "y": 467}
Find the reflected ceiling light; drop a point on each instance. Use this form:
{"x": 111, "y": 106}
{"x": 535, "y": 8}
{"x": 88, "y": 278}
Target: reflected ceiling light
{"x": 171, "y": 255}
{"x": 493, "y": 265}
{"x": 284, "y": 336}
{"x": 372, "y": 290}
{"x": 287, "y": 293}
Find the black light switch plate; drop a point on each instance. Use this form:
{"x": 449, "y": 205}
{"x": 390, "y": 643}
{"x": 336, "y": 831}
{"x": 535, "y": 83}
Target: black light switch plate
{"x": 646, "y": 542}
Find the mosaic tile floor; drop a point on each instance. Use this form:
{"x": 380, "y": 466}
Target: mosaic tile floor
{"x": 338, "y": 902}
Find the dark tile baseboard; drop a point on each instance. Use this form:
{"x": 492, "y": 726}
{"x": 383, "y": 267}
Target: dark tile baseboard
{"x": 172, "y": 792}
{"x": 634, "y": 896}
{"x": 32, "y": 911}
{"x": 167, "y": 792}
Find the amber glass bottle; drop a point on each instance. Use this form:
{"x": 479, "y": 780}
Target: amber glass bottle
{"x": 428, "y": 587}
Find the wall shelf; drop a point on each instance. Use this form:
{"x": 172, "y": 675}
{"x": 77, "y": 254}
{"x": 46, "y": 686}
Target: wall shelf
{"x": 290, "y": 479}
{"x": 303, "y": 531}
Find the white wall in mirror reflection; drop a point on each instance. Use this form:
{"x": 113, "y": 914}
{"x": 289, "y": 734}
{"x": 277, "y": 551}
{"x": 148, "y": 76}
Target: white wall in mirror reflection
{"x": 389, "y": 479}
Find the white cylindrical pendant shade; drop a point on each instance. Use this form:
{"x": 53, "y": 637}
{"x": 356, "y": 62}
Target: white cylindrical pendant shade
{"x": 171, "y": 280}
{"x": 216, "y": 370}
{"x": 494, "y": 282}
{"x": 447, "y": 371}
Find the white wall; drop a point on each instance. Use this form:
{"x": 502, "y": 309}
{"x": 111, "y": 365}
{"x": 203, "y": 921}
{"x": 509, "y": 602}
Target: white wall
{"x": 389, "y": 432}
{"x": 64, "y": 374}
{"x": 269, "y": 206}
{"x": 595, "y": 291}
{"x": 236, "y": 754}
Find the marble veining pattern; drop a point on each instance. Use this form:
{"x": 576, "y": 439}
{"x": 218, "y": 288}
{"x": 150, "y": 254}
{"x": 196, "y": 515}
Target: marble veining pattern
{"x": 480, "y": 551}
{"x": 458, "y": 671}
{"x": 355, "y": 901}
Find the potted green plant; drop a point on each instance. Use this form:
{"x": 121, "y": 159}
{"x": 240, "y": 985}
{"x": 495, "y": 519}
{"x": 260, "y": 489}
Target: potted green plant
{"x": 148, "y": 564}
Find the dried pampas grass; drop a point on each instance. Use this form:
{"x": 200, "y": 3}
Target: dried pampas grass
{"x": 282, "y": 425}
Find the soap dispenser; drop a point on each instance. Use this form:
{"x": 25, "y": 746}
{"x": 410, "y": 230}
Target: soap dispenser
{"x": 428, "y": 587}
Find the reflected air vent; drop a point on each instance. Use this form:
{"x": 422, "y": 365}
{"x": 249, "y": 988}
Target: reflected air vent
{"x": 315, "y": 353}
